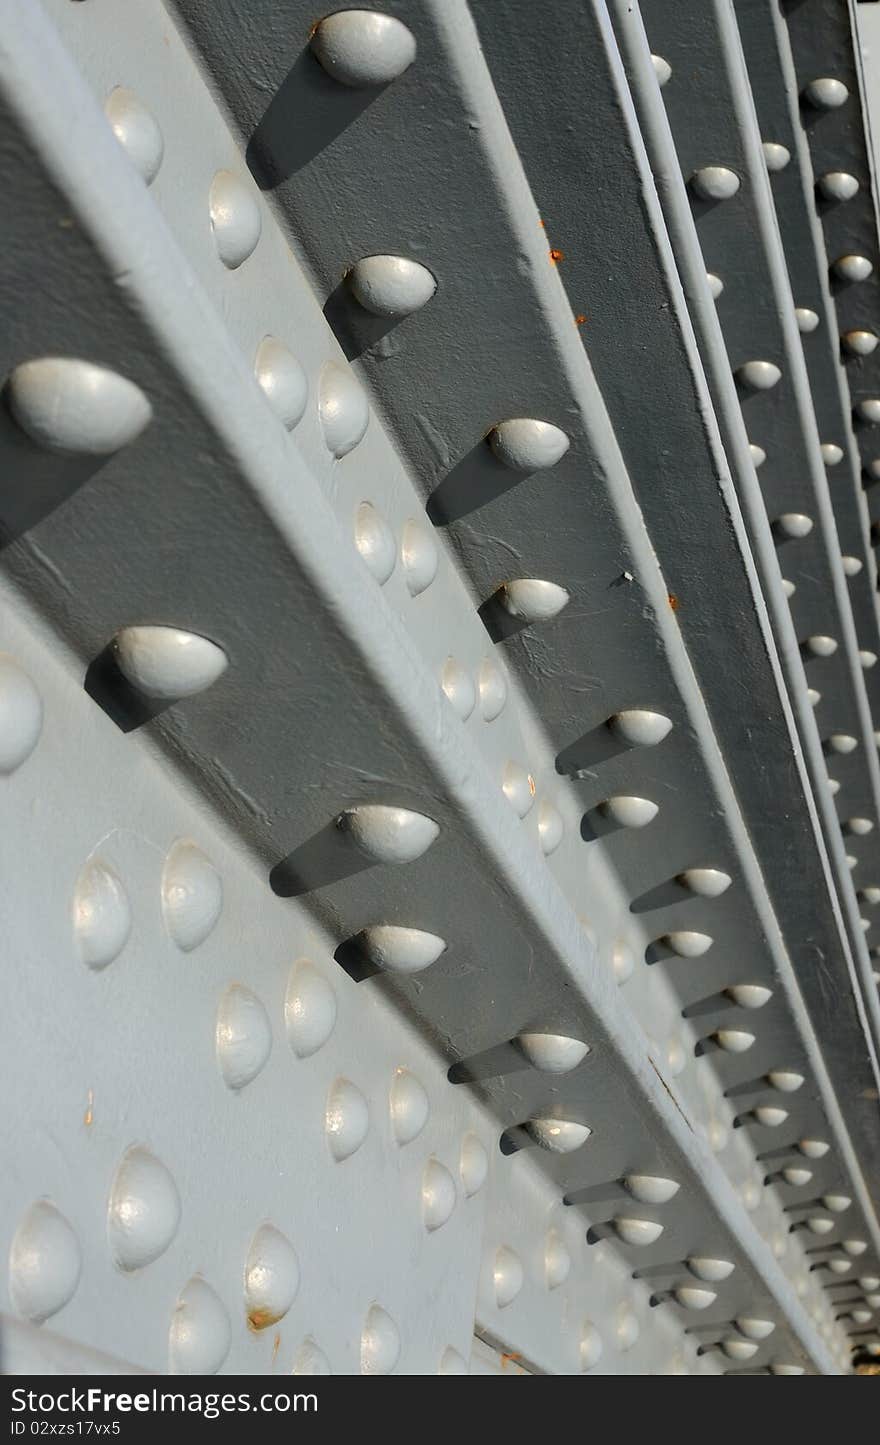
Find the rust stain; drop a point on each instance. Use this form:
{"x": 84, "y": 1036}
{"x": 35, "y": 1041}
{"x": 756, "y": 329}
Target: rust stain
{"x": 542, "y": 224}
{"x": 673, "y": 601}
{"x": 509, "y": 1358}
{"x": 276, "y": 1345}
{"x": 556, "y": 257}
{"x": 262, "y": 1319}
{"x": 581, "y": 320}
{"x": 88, "y": 1116}
{"x": 533, "y": 788}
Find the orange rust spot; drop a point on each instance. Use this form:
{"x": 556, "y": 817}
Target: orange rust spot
{"x": 509, "y": 1358}
{"x": 276, "y": 1345}
{"x": 532, "y": 785}
{"x": 88, "y": 1116}
{"x": 543, "y": 225}
{"x": 581, "y": 320}
{"x": 556, "y": 257}
{"x": 673, "y": 601}
{"x": 262, "y": 1319}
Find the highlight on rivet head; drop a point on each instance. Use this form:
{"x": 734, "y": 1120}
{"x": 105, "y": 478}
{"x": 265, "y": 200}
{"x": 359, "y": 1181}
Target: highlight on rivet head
{"x": 143, "y": 1212}
{"x": 550, "y": 827}
{"x": 690, "y": 1297}
{"x": 309, "y": 1009}
{"x": 795, "y": 1176}
{"x": 785, "y": 1080}
{"x": 343, "y": 409}
{"x": 838, "y": 185}
{"x": 869, "y": 410}
{"x": 807, "y": 320}
{"x": 637, "y": 1232}
{"x": 733, "y": 1041}
{"x": 375, "y": 542}
{"x": 380, "y": 1343}
{"x": 137, "y": 131}
{"x": 101, "y": 914}
{"x": 629, "y": 812}
{"x": 852, "y": 566}
{"x": 67, "y": 405}
{"x": 400, "y": 950}
{"x": 531, "y": 599}
{"x": 688, "y": 944}
{"x": 819, "y": 1224}
{"x": 853, "y": 268}
{"x": 200, "y": 1335}
{"x": 409, "y": 1106}
{"x": 243, "y": 1036}
{"x": 167, "y": 663}
{"x": 346, "y": 1120}
{"x": 821, "y": 646}
{"x": 419, "y": 555}
{"x": 759, "y": 375}
{"x": 813, "y": 1148}
{"x": 192, "y": 895}
{"x": 458, "y": 687}
{"x": 552, "y": 1053}
{"x": 438, "y": 1194}
{"x": 662, "y": 69}
{"x": 527, "y": 445}
{"x": 590, "y": 1346}
{"x": 867, "y": 658}
{"x": 557, "y": 1260}
{"x": 859, "y": 826}
{"x": 769, "y": 1115}
{"x": 837, "y": 1203}
{"x": 363, "y": 47}
{"x": 776, "y": 156}
{"x": 388, "y": 834}
{"x": 650, "y": 1188}
{"x": 558, "y": 1136}
{"x": 473, "y": 1166}
{"x": 518, "y": 787}
{"x": 236, "y": 219}
{"x": 708, "y": 1269}
{"x": 271, "y": 1278}
{"x": 640, "y": 728}
{"x": 749, "y": 995}
{"x": 855, "y": 1247}
{"x": 507, "y": 1275}
{"x": 45, "y": 1263}
{"x": 493, "y": 690}
{"x": 705, "y": 882}
{"x": 831, "y": 453}
{"x": 715, "y": 284}
{"x": 842, "y": 743}
{"x": 391, "y": 286}
{"x": 282, "y": 380}
{"x": 736, "y": 1349}
{"x": 21, "y": 716}
{"x": 758, "y": 455}
{"x": 860, "y": 343}
{"x": 826, "y": 93}
{"x": 622, "y": 961}
{"x": 715, "y": 183}
{"x": 794, "y": 525}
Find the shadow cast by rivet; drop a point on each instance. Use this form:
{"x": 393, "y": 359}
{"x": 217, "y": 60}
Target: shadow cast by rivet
{"x": 598, "y": 745}
{"x": 664, "y": 895}
{"x": 352, "y": 958}
{"x": 491, "y": 1063}
{"x": 477, "y": 479}
{"x": 714, "y": 1003}
{"x": 305, "y": 115}
{"x": 498, "y": 622}
{"x": 34, "y": 481}
{"x": 114, "y": 694}
{"x": 327, "y": 857}
{"x": 356, "y": 329}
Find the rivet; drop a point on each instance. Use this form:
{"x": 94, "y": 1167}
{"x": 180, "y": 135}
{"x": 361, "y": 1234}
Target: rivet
{"x": 869, "y": 410}
{"x": 420, "y": 558}
{"x": 676, "y": 1058}
{"x": 558, "y": 1136}
{"x": 826, "y": 93}
{"x": 853, "y": 268}
{"x": 821, "y": 646}
{"x": 309, "y": 1009}
{"x": 692, "y": 1298}
{"x": 705, "y": 882}
{"x": 860, "y": 343}
{"x": 282, "y": 380}
{"x": 842, "y": 743}
{"x": 837, "y": 1203}
{"x": 629, "y": 812}
{"x": 400, "y": 950}
{"x": 143, "y": 1212}
{"x": 754, "y": 1329}
{"x": 235, "y": 218}
{"x": 590, "y": 1346}
{"x": 550, "y": 827}
{"x": 867, "y": 658}
{"x": 67, "y": 405}
{"x": 200, "y": 1335}
{"x": 715, "y": 183}
{"x": 243, "y": 1036}
{"x": 380, "y": 1338}
{"x": 859, "y": 826}
{"x": 374, "y": 540}
{"x": 137, "y": 131}
{"x": 749, "y": 995}
{"x": 311, "y": 1360}
{"x": 795, "y": 525}
{"x": 758, "y": 455}
{"x": 473, "y": 1166}
{"x": 622, "y": 962}
{"x": 101, "y": 915}
{"x": 387, "y": 834}
{"x": 733, "y": 1041}
{"x": 167, "y": 663}
{"x": 759, "y": 375}
{"x": 640, "y": 728}
{"x": 493, "y": 690}
{"x": 518, "y": 787}
{"x": 650, "y": 1188}
{"x": 831, "y": 453}
{"x": 870, "y": 895}
{"x": 552, "y": 1053}
{"x": 507, "y": 1275}
{"x": 776, "y": 156}
{"x": 838, "y": 185}
{"x": 769, "y": 1116}
{"x": 819, "y": 1224}
{"x": 532, "y": 600}
{"x": 852, "y": 566}
{"x": 557, "y": 1260}
{"x": 869, "y": 1282}
{"x": 715, "y": 284}
{"x": 45, "y": 1263}
{"x": 738, "y": 1349}
{"x": 438, "y": 1194}
{"x": 688, "y": 944}
{"x": 626, "y": 1331}
{"x": 813, "y": 697}
{"x": 662, "y": 69}
{"x": 409, "y": 1107}
{"x": 363, "y": 47}
{"x": 391, "y": 286}
{"x": 346, "y": 1119}
{"x": 807, "y": 319}
{"x": 271, "y": 1278}
{"x": 21, "y": 716}
{"x": 458, "y": 687}
{"x": 343, "y": 409}
{"x": 813, "y": 1148}
{"x": 788, "y": 588}
{"x": 855, "y": 1247}
{"x": 783, "y": 1369}
{"x": 192, "y": 895}
{"x": 452, "y": 1363}
{"x": 711, "y": 1271}
{"x": 527, "y": 445}
{"x": 795, "y": 1176}
{"x": 785, "y": 1080}
{"x": 637, "y": 1232}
